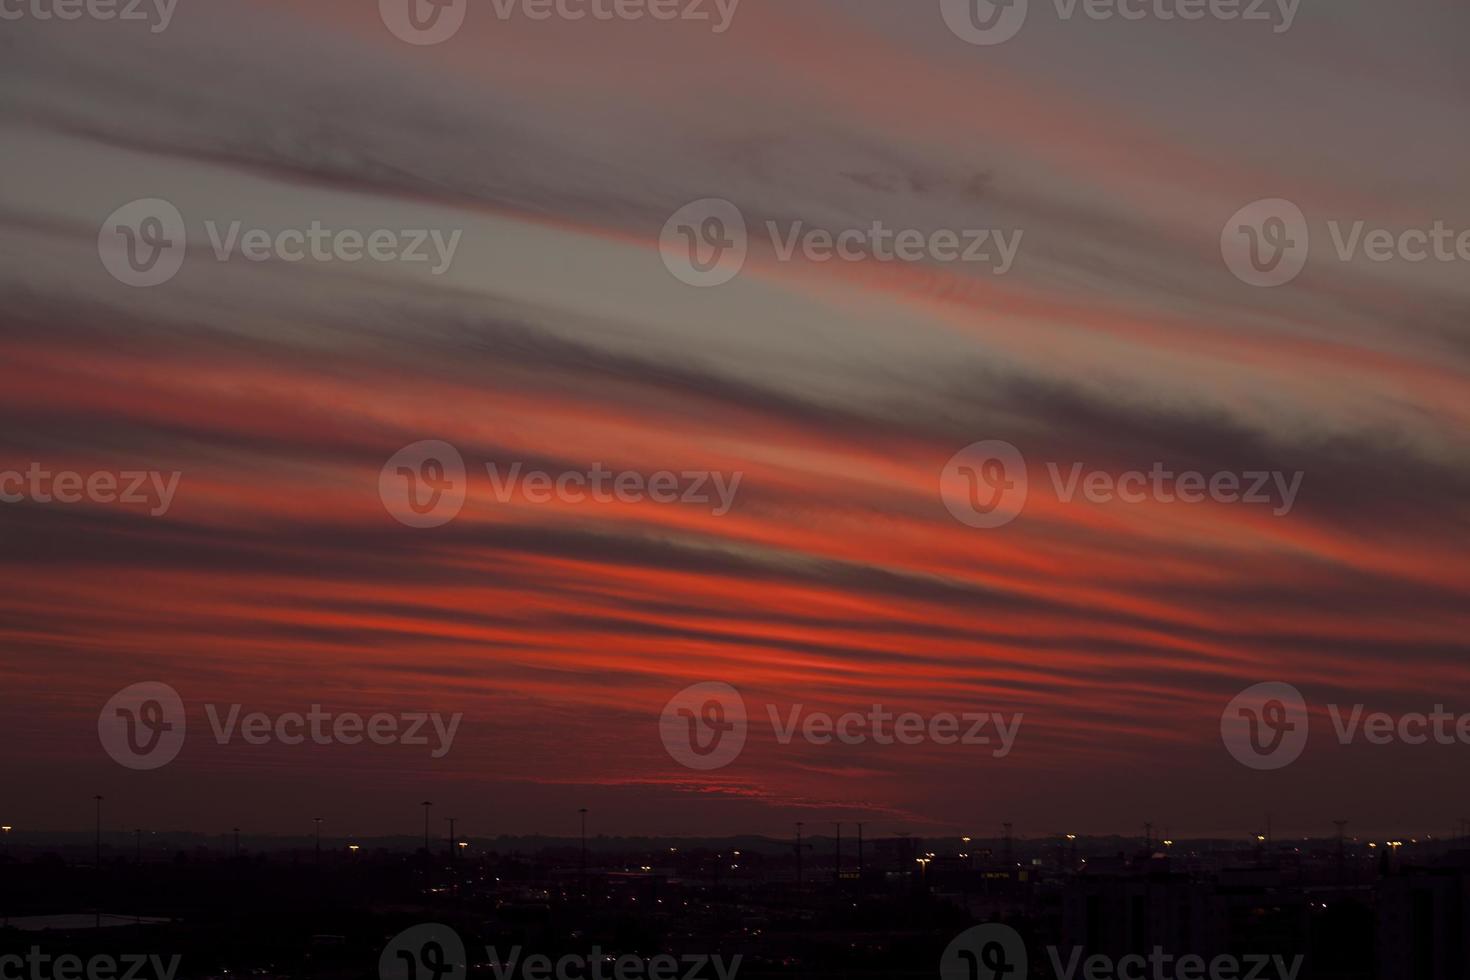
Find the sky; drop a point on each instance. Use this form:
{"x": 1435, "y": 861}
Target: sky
{"x": 553, "y": 153}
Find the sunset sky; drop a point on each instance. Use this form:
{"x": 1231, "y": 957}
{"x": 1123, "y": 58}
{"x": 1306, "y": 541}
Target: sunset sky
{"x": 558, "y": 339}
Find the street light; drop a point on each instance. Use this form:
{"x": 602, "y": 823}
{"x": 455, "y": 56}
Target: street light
{"x": 98, "y": 860}
{"x": 582, "y": 812}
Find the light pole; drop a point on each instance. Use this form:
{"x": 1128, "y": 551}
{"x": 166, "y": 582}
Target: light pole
{"x": 427, "y": 806}
{"x": 5, "y": 830}
{"x": 799, "y": 825}
{"x": 582, "y": 812}
{"x": 97, "y": 860}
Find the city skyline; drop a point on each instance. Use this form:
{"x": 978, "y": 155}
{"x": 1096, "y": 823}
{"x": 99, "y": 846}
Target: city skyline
{"x": 1097, "y": 398}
